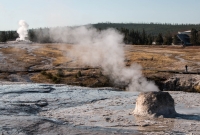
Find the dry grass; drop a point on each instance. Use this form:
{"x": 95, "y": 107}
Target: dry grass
{"x": 19, "y": 57}
{"x": 56, "y": 52}
{"x": 166, "y": 57}
{"x": 89, "y": 78}
{"x": 152, "y": 59}
{"x": 12, "y": 50}
{"x": 39, "y": 78}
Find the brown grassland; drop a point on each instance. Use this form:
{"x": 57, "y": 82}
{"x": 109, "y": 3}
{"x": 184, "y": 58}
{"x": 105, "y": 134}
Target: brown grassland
{"x": 49, "y": 63}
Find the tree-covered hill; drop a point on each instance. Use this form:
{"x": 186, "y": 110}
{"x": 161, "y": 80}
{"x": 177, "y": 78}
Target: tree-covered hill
{"x": 150, "y": 28}
{"x": 134, "y": 33}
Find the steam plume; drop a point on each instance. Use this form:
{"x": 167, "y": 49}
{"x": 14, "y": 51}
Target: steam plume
{"x": 105, "y": 49}
{"x": 22, "y": 30}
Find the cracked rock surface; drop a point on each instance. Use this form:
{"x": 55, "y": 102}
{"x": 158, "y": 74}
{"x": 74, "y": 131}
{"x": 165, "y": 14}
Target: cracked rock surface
{"x": 30, "y": 109}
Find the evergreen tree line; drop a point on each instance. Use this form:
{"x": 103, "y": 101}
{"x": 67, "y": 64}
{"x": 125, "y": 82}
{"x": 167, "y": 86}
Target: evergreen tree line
{"x": 150, "y": 28}
{"x": 41, "y": 35}
{"x": 142, "y": 38}
{"x": 44, "y": 36}
{"x": 132, "y": 36}
{"x": 8, "y": 36}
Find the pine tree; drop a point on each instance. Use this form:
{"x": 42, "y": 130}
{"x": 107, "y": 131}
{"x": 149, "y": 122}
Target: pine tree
{"x": 150, "y": 39}
{"x": 159, "y": 39}
{"x": 194, "y": 36}
{"x": 175, "y": 40}
{"x": 143, "y": 38}
{"x": 3, "y": 36}
{"x": 31, "y": 35}
{"x": 168, "y": 39}
{"x": 198, "y": 40}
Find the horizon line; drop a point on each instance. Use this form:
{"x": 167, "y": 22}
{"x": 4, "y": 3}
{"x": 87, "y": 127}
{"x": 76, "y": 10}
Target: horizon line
{"x": 107, "y": 22}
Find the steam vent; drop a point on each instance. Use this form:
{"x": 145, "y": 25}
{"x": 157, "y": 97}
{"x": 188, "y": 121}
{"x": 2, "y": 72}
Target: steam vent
{"x": 155, "y": 104}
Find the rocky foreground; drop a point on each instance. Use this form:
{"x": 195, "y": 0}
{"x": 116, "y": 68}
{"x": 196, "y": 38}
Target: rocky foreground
{"x": 29, "y": 109}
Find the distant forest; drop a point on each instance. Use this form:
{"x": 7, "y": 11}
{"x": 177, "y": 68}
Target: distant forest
{"x": 134, "y": 33}
{"x": 150, "y": 28}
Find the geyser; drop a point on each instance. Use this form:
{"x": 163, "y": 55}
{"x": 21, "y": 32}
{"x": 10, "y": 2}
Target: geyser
{"x": 23, "y": 34}
{"x": 22, "y": 30}
{"x": 104, "y": 49}
{"x": 156, "y": 104}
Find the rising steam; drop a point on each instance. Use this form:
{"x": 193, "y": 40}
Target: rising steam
{"x": 104, "y": 49}
{"x": 22, "y": 30}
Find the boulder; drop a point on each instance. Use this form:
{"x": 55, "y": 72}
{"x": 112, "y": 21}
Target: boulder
{"x": 183, "y": 82}
{"x": 156, "y": 104}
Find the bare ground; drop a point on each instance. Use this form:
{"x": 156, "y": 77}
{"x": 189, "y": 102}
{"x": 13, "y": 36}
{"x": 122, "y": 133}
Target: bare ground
{"x": 58, "y": 109}
{"x": 30, "y": 109}
{"x": 27, "y": 63}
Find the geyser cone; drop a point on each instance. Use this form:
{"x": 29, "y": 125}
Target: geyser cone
{"x": 155, "y": 104}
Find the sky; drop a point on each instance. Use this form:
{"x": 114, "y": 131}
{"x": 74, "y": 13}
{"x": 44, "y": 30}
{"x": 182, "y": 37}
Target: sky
{"x": 53, "y": 13}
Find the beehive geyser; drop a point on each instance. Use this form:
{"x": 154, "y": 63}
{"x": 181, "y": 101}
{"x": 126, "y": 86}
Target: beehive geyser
{"x": 155, "y": 104}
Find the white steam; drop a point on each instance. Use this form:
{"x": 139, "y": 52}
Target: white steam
{"x": 104, "y": 49}
{"x": 22, "y": 30}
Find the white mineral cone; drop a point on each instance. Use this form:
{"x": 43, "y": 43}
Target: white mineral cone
{"x": 155, "y": 104}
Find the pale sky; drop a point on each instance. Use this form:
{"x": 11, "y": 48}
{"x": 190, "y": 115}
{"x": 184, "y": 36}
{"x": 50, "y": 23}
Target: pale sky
{"x": 48, "y": 13}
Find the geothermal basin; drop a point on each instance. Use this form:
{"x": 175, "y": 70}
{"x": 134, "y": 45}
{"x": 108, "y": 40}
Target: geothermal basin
{"x": 59, "y": 109}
